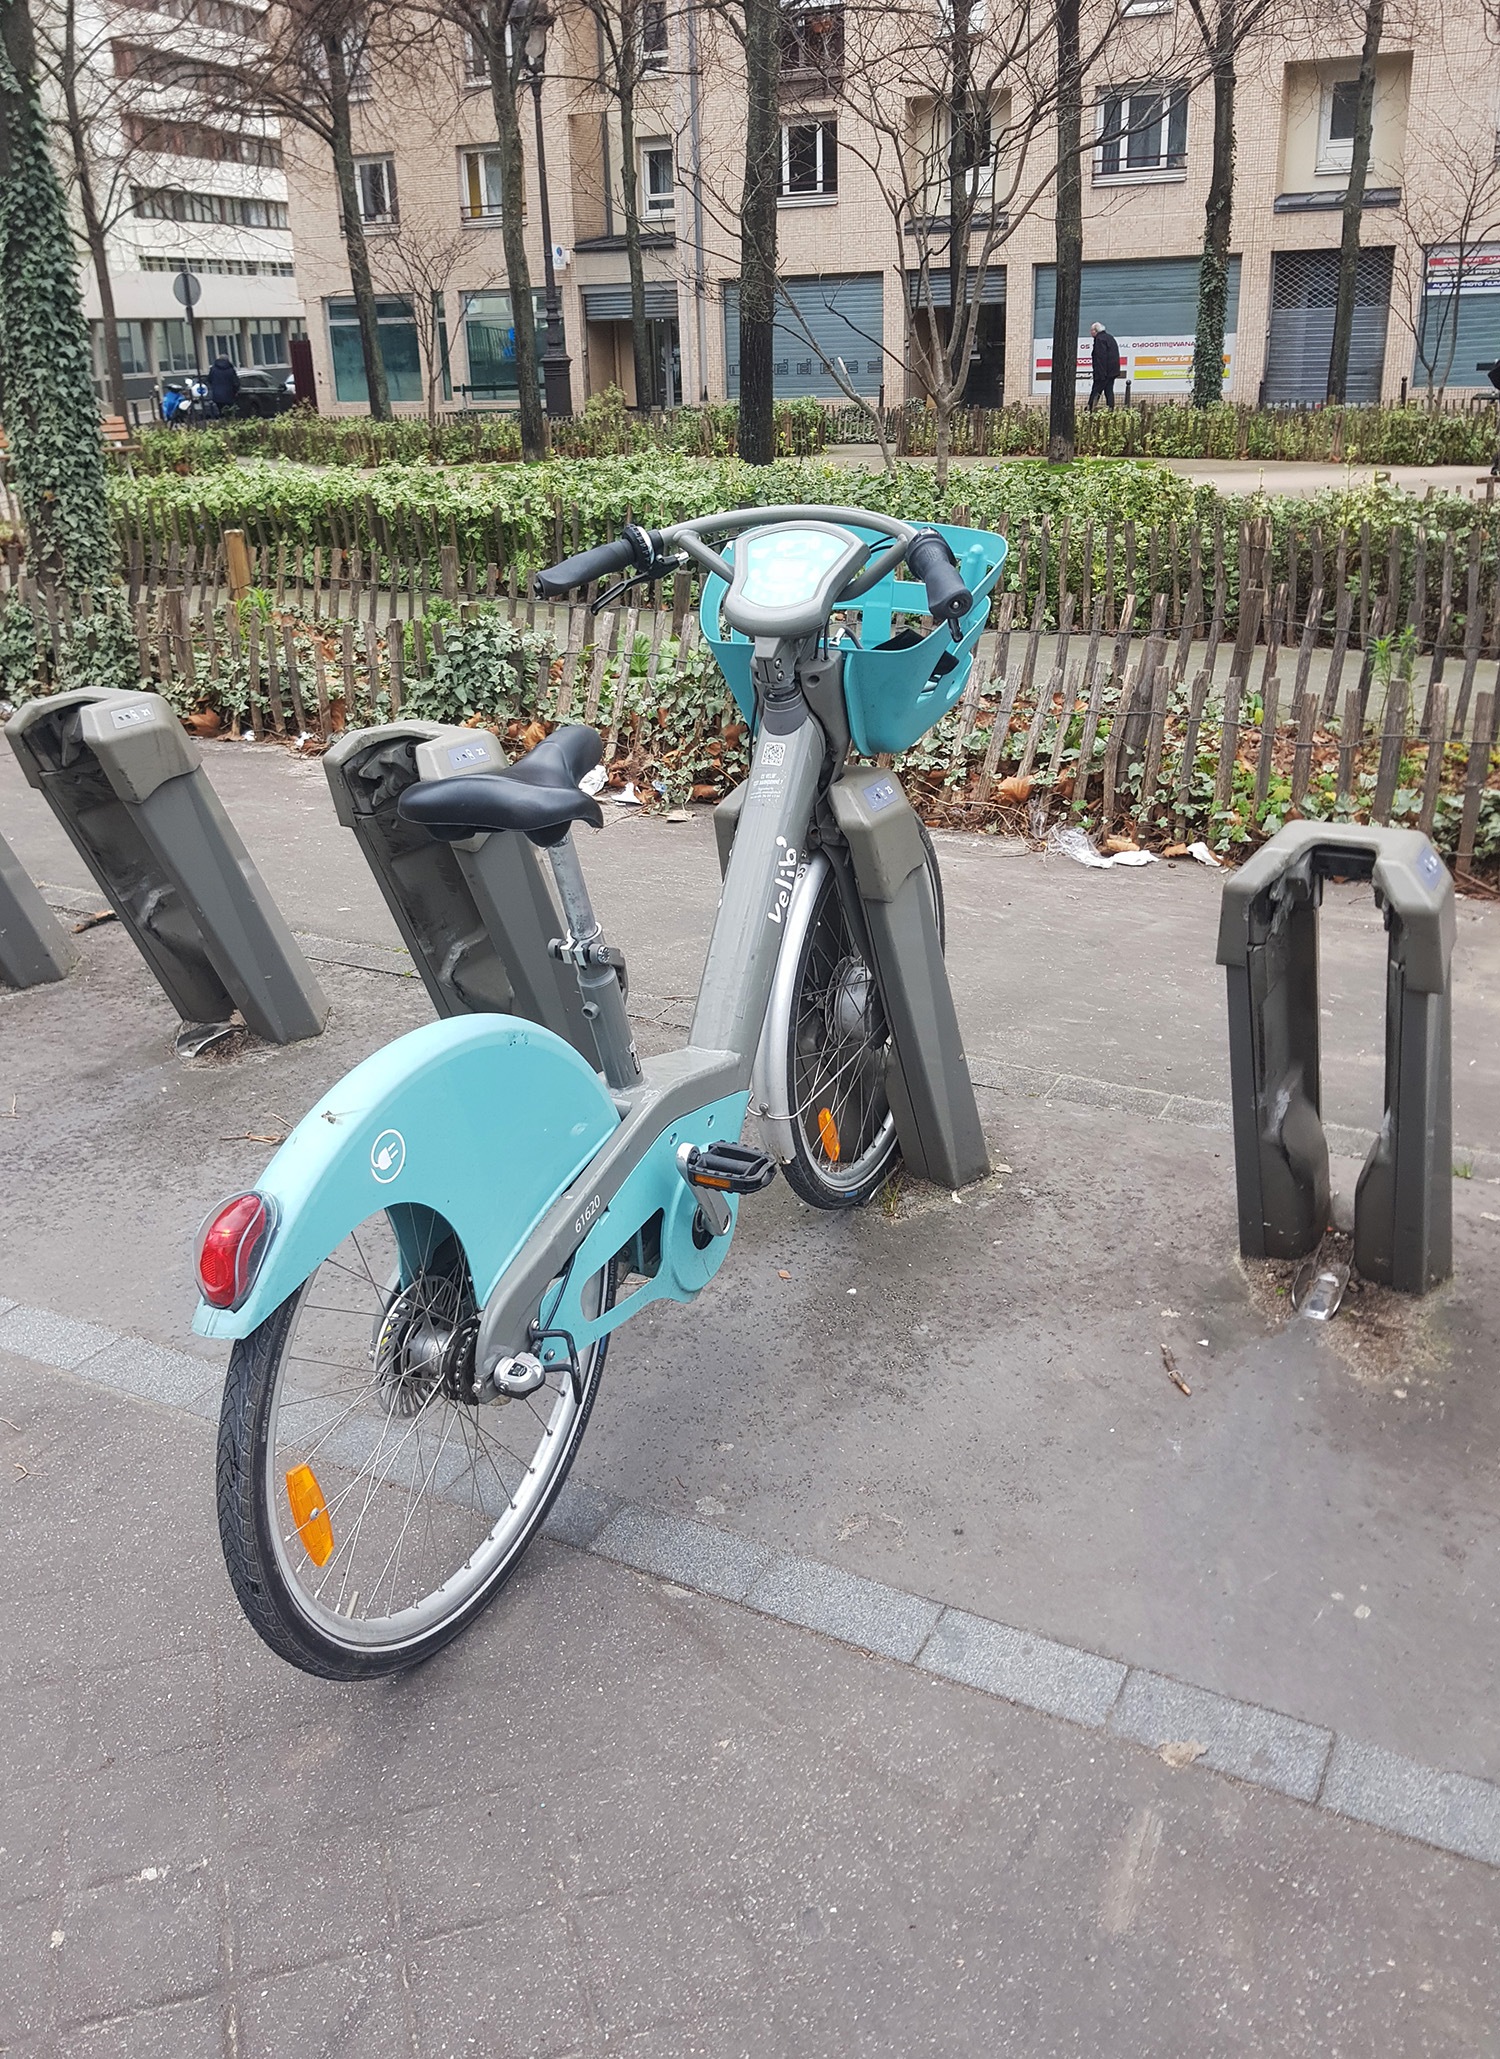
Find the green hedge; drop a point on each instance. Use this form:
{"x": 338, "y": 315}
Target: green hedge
{"x": 604, "y": 429}
{"x": 527, "y": 515}
{"x": 513, "y": 513}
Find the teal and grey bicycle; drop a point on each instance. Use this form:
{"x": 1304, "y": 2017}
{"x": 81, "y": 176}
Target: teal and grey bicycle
{"x": 423, "y": 1285}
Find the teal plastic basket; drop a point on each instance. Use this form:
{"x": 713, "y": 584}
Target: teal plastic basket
{"x": 893, "y": 697}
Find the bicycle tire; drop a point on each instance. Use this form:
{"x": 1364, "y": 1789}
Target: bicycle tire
{"x": 252, "y": 1518}
{"x": 832, "y": 986}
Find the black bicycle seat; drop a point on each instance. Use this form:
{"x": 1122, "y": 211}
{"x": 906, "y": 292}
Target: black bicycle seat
{"x": 538, "y": 795}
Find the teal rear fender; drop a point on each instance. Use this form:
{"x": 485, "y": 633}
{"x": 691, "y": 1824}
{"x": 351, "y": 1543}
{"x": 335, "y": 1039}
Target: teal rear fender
{"x": 482, "y": 1118}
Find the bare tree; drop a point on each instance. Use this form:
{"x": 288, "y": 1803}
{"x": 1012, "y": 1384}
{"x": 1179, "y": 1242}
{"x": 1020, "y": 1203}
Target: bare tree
{"x": 315, "y": 62}
{"x": 506, "y": 39}
{"x": 1062, "y": 401}
{"x": 1447, "y": 225}
{"x": 1354, "y": 201}
{"x": 419, "y": 262}
{"x": 762, "y": 39}
{"x": 630, "y": 38}
{"x": 90, "y": 109}
{"x": 1223, "y": 27}
{"x": 954, "y": 109}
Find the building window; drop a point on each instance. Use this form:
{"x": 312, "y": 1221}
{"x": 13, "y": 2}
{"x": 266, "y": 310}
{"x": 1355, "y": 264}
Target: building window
{"x": 267, "y": 344}
{"x": 653, "y": 34}
{"x": 1142, "y": 132}
{"x": 223, "y": 343}
{"x": 210, "y": 14}
{"x": 657, "y": 177}
{"x": 1134, "y": 7}
{"x": 398, "y": 350}
{"x": 164, "y": 138}
{"x": 224, "y": 267}
{"x": 490, "y": 341}
{"x": 809, "y": 160}
{"x": 1338, "y": 108}
{"x": 171, "y": 204}
{"x": 481, "y": 186}
{"x": 174, "y": 347}
{"x": 477, "y": 57}
{"x": 375, "y": 183}
{"x": 132, "y": 335}
{"x": 812, "y": 41}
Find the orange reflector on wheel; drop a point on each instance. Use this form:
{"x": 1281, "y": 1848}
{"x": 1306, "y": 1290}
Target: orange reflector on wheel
{"x": 828, "y": 1131}
{"x": 310, "y": 1514}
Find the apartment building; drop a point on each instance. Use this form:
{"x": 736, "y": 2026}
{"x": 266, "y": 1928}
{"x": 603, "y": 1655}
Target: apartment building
{"x": 1428, "y": 292}
{"x": 178, "y": 189}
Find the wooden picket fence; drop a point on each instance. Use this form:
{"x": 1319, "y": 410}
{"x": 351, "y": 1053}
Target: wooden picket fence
{"x": 1075, "y": 669}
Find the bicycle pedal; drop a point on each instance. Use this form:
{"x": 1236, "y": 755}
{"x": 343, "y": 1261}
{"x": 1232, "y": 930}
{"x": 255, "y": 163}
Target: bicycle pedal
{"x": 727, "y": 1168}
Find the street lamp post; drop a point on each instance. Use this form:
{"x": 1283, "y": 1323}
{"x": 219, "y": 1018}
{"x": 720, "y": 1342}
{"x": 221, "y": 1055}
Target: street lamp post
{"x": 557, "y": 384}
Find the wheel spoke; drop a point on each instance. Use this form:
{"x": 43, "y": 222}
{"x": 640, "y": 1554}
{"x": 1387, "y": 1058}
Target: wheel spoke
{"x": 421, "y": 1500}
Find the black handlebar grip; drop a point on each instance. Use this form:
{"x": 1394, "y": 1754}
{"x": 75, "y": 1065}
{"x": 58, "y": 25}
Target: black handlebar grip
{"x": 948, "y": 598}
{"x": 597, "y": 563}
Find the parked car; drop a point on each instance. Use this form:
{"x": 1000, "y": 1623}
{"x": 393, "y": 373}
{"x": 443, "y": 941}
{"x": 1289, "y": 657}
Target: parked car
{"x": 265, "y": 390}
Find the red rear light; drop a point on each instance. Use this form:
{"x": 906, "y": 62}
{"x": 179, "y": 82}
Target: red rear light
{"x": 231, "y": 1245}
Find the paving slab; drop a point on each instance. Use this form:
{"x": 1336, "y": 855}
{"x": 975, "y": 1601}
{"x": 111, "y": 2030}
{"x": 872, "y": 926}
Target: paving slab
{"x": 621, "y": 1817}
{"x": 1228, "y": 1736}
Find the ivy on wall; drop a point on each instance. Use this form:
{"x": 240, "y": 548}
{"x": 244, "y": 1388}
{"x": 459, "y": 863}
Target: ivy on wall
{"x": 56, "y": 458}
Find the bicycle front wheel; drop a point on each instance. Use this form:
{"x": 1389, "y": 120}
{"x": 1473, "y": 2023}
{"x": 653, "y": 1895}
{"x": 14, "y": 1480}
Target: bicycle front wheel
{"x": 369, "y": 1506}
{"x": 822, "y": 1066}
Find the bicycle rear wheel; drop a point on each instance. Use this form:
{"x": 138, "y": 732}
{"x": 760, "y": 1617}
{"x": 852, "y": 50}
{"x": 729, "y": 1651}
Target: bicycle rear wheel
{"x": 822, "y": 1066}
{"x": 369, "y": 1506}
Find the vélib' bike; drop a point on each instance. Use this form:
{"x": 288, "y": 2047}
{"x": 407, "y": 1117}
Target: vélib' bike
{"x": 423, "y": 1284}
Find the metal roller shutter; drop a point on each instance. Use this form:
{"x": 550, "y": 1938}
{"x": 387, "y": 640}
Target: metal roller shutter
{"x": 845, "y": 316}
{"x": 1145, "y": 296}
{"x": 1304, "y": 291}
{"x": 612, "y": 303}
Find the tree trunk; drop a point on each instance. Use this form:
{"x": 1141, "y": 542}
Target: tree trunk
{"x": 1063, "y": 409}
{"x": 942, "y": 437}
{"x": 1213, "y": 267}
{"x": 960, "y": 207}
{"x": 757, "y": 426}
{"x": 1354, "y": 202}
{"x": 51, "y": 416}
{"x": 114, "y": 367}
{"x": 630, "y": 187}
{"x": 354, "y": 231}
{"x": 513, "y": 233}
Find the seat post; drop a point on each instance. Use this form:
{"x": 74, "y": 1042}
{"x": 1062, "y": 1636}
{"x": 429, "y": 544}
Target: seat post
{"x": 601, "y": 972}
{"x": 573, "y": 891}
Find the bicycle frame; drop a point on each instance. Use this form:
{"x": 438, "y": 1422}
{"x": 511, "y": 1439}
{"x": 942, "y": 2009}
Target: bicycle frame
{"x": 690, "y": 1095}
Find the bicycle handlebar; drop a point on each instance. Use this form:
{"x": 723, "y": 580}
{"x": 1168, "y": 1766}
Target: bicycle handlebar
{"x": 948, "y": 596}
{"x": 635, "y": 547}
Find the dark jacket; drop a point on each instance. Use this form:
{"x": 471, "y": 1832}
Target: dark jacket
{"x": 223, "y": 383}
{"x": 1106, "y": 356}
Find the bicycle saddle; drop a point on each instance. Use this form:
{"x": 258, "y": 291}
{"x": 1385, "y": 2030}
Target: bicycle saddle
{"x": 539, "y": 794}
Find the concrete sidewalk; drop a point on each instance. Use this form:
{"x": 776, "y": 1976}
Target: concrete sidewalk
{"x": 1298, "y": 477}
{"x": 700, "y": 1829}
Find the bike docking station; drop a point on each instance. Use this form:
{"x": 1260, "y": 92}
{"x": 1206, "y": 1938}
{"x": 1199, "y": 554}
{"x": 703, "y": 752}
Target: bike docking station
{"x": 1268, "y": 944}
{"x": 33, "y": 947}
{"x": 127, "y": 783}
{"x": 874, "y": 698}
{"x": 476, "y": 915}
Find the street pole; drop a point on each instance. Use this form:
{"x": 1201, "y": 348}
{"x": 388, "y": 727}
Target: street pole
{"x": 557, "y": 385}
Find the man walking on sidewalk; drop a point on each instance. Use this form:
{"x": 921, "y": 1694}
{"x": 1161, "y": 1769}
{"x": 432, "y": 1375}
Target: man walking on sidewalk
{"x": 1106, "y": 367}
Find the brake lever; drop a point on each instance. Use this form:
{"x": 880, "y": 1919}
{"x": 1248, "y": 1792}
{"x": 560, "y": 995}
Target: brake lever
{"x": 652, "y": 571}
